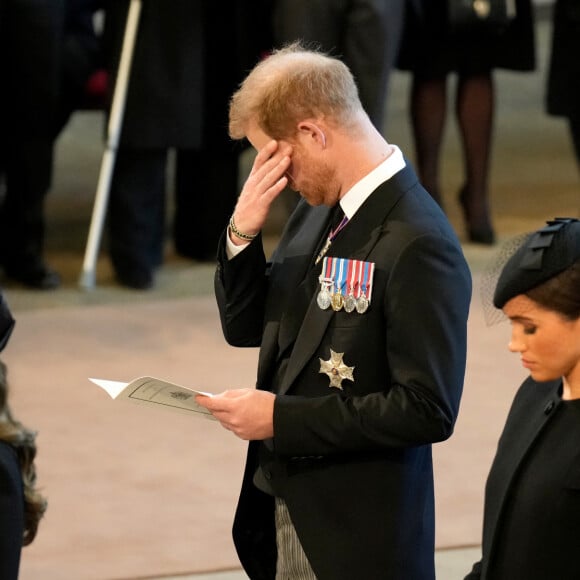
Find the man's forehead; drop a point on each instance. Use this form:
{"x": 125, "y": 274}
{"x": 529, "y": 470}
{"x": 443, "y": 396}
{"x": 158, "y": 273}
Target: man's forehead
{"x": 256, "y": 136}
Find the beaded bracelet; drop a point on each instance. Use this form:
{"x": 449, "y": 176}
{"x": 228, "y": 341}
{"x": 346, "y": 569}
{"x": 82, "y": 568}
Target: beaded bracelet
{"x": 241, "y": 235}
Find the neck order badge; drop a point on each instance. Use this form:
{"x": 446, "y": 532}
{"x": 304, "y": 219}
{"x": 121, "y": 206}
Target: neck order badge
{"x": 333, "y": 233}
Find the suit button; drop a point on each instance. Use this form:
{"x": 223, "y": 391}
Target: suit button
{"x": 267, "y": 474}
{"x": 549, "y": 407}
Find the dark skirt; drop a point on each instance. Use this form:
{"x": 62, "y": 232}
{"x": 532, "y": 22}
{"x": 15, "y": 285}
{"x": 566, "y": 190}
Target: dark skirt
{"x": 431, "y": 49}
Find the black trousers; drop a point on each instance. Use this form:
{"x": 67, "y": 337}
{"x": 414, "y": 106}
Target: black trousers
{"x": 205, "y": 194}
{"x": 30, "y": 49}
{"x": 574, "y": 124}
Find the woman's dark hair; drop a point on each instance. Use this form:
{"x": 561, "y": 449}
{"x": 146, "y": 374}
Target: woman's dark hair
{"x": 23, "y": 440}
{"x": 560, "y": 293}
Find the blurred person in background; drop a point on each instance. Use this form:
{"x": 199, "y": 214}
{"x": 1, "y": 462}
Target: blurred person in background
{"x": 163, "y": 110}
{"x": 31, "y": 36}
{"x": 208, "y": 177}
{"x": 188, "y": 57}
{"x": 81, "y": 57}
{"x": 22, "y": 506}
{"x": 563, "y": 91}
{"x": 432, "y": 51}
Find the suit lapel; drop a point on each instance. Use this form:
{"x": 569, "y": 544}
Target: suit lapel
{"x": 290, "y": 280}
{"x": 356, "y": 241}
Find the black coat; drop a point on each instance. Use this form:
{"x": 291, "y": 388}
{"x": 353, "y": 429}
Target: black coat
{"x": 547, "y": 548}
{"x": 563, "y": 91}
{"x": 354, "y": 466}
{"x": 431, "y": 48}
{"x": 164, "y": 105}
{"x": 189, "y": 57}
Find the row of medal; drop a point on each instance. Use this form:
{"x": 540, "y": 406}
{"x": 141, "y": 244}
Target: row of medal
{"x": 345, "y": 284}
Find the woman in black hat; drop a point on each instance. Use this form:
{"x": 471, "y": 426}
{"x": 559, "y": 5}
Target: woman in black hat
{"x": 531, "y": 525}
{"x": 21, "y": 505}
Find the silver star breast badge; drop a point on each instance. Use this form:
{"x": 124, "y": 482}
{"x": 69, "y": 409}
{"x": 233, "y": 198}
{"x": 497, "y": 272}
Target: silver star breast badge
{"x": 336, "y": 370}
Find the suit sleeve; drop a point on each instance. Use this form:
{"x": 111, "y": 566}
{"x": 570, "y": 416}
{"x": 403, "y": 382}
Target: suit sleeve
{"x": 240, "y": 289}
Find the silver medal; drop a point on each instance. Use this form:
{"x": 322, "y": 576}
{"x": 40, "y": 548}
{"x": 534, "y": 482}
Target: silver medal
{"x": 362, "y": 304}
{"x": 323, "y": 298}
{"x": 349, "y": 303}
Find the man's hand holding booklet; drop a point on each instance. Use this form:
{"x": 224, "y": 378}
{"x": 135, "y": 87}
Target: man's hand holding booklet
{"x": 156, "y": 392}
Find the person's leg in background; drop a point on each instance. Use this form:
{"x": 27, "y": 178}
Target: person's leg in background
{"x": 30, "y": 37}
{"x": 428, "y": 117}
{"x": 474, "y": 109}
{"x": 475, "y": 106}
{"x": 574, "y": 125}
{"x": 206, "y": 190}
{"x": 22, "y": 225}
{"x": 206, "y": 179}
{"x": 136, "y": 216}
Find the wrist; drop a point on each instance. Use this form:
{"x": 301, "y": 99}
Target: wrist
{"x": 238, "y": 234}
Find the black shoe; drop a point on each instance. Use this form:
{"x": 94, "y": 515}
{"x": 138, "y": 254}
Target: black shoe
{"x": 37, "y": 276}
{"x": 484, "y": 235}
{"x": 479, "y": 228}
{"x": 138, "y": 279}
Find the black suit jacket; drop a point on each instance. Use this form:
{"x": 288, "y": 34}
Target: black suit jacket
{"x": 354, "y": 465}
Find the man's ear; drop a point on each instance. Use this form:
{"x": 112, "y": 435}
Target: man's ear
{"x": 312, "y": 131}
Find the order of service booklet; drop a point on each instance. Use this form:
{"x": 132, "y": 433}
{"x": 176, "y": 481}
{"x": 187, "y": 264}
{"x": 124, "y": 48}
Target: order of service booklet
{"x": 156, "y": 392}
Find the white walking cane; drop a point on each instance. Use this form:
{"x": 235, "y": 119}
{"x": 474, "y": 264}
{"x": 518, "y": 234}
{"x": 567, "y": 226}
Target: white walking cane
{"x": 88, "y": 275}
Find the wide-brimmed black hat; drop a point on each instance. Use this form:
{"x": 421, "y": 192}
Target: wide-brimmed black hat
{"x": 6, "y": 322}
{"x": 543, "y": 254}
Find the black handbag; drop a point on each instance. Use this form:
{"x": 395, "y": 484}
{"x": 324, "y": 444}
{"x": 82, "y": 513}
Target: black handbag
{"x": 472, "y": 16}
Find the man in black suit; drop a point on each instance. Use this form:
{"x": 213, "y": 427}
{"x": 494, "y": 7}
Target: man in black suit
{"x": 361, "y": 325}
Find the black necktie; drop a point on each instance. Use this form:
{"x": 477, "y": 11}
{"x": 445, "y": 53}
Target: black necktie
{"x": 337, "y": 216}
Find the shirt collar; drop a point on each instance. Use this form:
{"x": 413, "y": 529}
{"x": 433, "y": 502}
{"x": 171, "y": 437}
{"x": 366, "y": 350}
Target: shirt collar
{"x": 358, "y": 193}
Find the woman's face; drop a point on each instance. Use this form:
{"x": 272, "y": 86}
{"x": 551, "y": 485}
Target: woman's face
{"x": 548, "y": 343}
